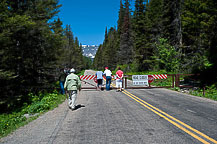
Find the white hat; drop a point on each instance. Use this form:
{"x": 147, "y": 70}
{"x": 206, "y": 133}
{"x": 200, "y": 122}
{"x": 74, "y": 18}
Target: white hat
{"x": 72, "y": 70}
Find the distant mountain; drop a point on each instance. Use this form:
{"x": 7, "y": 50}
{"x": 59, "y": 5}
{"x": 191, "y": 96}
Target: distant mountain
{"x": 89, "y": 50}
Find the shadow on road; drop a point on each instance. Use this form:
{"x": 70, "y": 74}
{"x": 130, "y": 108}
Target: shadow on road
{"x": 79, "y": 106}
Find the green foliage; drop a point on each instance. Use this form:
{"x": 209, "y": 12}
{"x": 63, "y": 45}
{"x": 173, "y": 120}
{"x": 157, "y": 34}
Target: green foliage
{"x": 34, "y": 45}
{"x": 210, "y": 92}
{"x": 87, "y": 62}
{"x": 9, "y": 122}
{"x": 175, "y": 36}
{"x": 167, "y": 56}
{"x": 81, "y": 72}
{"x": 7, "y": 75}
{"x": 107, "y": 53}
{"x": 40, "y": 104}
{"x": 71, "y": 51}
{"x": 125, "y": 51}
{"x": 142, "y": 48}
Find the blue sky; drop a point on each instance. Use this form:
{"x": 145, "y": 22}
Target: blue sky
{"x": 89, "y": 18}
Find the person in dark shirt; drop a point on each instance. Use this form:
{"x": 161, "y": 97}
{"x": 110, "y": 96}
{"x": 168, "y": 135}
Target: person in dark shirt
{"x": 62, "y": 79}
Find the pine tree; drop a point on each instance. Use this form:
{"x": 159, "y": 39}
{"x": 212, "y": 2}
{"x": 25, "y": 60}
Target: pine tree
{"x": 154, "y": 19}
{"x": 98, "y": 63}
{"x": 120, "y": 19}
{"x": 30, "y": 44}
{"x": 194, "y": 22}
{"x": 142, "y": 51}
{"x": 110, "y": 49}
{"x": 153, "y": 24}
{"x": 172, "y": 21}
{"x": 211, "y": 31}
{"x": 126, "y": 44}
{"x": 78, "y": 57}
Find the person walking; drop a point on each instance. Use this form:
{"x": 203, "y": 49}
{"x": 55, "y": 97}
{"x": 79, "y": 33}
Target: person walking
{"x": 108, "y": 75}
{"x": 72, "y": 85}
{"x": 119, "y": 79}
{"x": 62, "y": 78}
{"x": 99, "y": 77}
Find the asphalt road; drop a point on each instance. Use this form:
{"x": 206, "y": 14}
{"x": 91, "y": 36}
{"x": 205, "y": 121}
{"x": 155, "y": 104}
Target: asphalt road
{"x": 148, "y": 116}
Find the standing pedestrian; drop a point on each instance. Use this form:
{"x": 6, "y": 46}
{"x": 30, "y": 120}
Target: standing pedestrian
{"x": 99, "y": 77}
{"x": 62, "y": 78}
{"x": 119, "y": 79}
{"x": 72, "y": 84}
{"x": 108, "y": 75}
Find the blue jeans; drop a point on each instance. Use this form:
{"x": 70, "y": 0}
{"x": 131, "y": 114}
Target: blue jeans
{"x": 108, "y": 82}
{"x": 62, "y": 91}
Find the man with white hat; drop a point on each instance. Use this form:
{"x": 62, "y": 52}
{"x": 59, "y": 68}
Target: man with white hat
{"x": 72, "y": 85}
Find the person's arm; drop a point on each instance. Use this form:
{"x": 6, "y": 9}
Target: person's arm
{"x": 65, "y": 85}
{"x": 117, "y": 75}
{"x": 122, "y": 75}
{"x": 79, "y": 84}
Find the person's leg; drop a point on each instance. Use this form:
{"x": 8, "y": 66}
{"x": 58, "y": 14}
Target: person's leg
{"x": 117, "y": 84}
{"x": 69, "y": 98}
{"x": 62, "y": 88}
{"x": 72, "y": 99}
{"x": 109, "y": 82}
{"x": 100, "y": 84}
{"x": 120, "y": 84}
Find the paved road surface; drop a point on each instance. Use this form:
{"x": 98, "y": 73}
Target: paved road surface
{"x": 131, "y": 117}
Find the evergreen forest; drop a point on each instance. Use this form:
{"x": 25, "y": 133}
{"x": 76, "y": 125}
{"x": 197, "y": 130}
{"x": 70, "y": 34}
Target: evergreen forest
{"x": 34, "y": 48}
{"x": 162, "y": 35}
{"x": 174, "y": 36}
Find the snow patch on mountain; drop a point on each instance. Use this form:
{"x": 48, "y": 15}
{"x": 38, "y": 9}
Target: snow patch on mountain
{"x": 89, "y": 50}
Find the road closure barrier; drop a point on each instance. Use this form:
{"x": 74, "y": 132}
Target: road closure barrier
{"x": 160, "y": 76}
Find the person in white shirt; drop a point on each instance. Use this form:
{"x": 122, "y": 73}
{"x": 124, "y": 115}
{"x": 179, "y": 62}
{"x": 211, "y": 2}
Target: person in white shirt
{"x": 108, "y": 75}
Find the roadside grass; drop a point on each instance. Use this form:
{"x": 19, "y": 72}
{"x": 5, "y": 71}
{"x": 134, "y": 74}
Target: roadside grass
{"x": 210, "y": 92}
{"x": 40, "y": 104}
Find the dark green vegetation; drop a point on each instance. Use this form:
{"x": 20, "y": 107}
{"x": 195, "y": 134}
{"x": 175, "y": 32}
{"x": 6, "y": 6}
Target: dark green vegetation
{"x": 162, "y": 35}
{"x": 33, "y": 48}
{"x": 39, "y": 104}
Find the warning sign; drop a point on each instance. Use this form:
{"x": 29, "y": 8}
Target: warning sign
{"x": 140, "y": 80}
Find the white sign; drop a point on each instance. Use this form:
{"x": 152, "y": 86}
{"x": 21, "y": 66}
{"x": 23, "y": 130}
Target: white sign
{"x": 140, "y": 79}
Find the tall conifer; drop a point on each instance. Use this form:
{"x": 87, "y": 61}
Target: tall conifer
{"x": 126, "y": 44}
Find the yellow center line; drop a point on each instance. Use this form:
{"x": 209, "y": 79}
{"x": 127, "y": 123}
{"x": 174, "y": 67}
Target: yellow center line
{"x": 161, "y": 114}
{"x": 167, "y": 116}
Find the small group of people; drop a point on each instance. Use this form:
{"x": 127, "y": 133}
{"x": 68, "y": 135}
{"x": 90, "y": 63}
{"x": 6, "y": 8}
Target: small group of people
{"x": 108, "y": 74}
{"x": 70, "y": 83}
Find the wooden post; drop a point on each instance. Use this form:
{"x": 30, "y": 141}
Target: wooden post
{"x": 125, "y": 83}
{"x": 204, "y": 88}
{"x": 177, "y": 80}
{"x": 173, "y": 81}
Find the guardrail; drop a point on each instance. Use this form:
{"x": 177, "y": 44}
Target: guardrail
{"x": 175, "y": 82}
